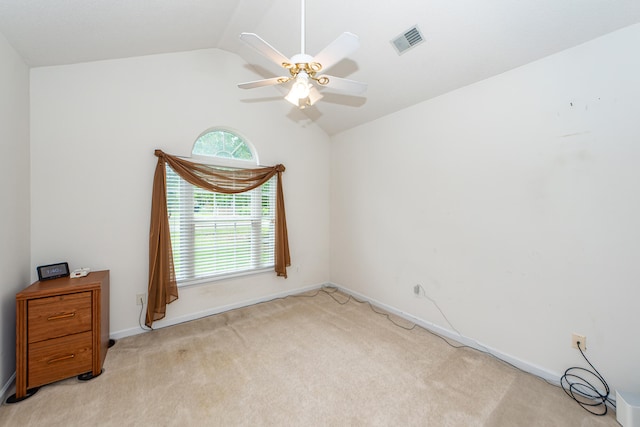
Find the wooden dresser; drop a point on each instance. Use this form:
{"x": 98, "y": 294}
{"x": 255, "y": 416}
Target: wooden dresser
{"x": 62, "y": 330}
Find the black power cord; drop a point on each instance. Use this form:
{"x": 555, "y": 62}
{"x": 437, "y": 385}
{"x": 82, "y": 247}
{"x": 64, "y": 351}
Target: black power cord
{"x": 140, "y": 319}
{"x": 589, "y": 396}
{"x": 584, "y": 389}
{"x": 584, "y": 392}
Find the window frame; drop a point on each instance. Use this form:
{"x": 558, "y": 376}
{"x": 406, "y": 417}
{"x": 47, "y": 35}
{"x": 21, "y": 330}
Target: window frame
{"x": 226, "y": 161}
{"x": 187, "y": 198}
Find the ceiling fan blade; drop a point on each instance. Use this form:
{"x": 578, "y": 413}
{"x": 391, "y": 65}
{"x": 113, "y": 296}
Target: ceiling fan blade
{"x": 266, "y": 82}
{"x": 345, "y": 85}
{"x": 337, "y": 50}
{"x": 264, "y": 48}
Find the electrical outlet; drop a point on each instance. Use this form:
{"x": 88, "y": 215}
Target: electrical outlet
{"x": 577, "y": 338}
{"x": 140, "y": 299}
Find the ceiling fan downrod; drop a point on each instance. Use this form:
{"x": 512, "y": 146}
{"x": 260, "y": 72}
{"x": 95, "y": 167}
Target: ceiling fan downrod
{"x": 302, "y": 27}
{"x": 302, "y": 62}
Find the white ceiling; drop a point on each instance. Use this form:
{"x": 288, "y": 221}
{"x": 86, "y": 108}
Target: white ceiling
{"x": 466, "y": 40}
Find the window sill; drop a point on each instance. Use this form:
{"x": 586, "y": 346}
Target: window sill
{"x": 222, "y": 277}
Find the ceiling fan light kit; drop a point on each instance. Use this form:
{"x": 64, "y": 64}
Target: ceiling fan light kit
{"x": 300, "y": 88}
{"x": 303, "y": 68}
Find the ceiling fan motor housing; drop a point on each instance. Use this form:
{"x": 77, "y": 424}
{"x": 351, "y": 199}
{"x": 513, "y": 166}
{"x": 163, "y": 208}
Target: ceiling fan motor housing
{"x": 304, "y": 63}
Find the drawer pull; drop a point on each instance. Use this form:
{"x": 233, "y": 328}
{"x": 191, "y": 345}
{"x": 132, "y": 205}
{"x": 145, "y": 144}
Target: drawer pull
{"x": 60, "y": 359}
{"x": 61, "y": 316}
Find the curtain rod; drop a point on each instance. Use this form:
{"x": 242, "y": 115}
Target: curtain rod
{"x": 211, "y": 164}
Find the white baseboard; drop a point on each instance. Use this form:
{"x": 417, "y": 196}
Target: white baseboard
{"x": 547, "y": 375}
{"x": 538, "y": 371}
{"x": 209, "y": 312}
{"x": 7, "y": 387}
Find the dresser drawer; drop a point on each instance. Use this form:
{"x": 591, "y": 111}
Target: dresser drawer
{"x": 58, "y": 316}
{"x": 58, "y": 358}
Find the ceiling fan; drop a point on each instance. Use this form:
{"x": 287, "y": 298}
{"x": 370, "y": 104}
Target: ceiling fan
{"x": 304, "y": 70}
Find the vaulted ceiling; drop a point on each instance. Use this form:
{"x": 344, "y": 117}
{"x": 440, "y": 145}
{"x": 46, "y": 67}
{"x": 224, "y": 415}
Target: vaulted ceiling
{"x": 466, "y": 40}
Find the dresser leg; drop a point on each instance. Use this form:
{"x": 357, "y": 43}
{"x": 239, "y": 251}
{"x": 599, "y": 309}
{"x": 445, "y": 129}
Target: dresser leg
{"x": 88, "y": 376}
{"x": 30, "y": 392}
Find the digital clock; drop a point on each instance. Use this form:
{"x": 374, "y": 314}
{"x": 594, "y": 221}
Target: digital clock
{"x": 53, "y": 271}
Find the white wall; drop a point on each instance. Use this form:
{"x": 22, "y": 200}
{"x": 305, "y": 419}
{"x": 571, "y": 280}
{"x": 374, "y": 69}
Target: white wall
{"x": 94, "y": 128}
{"x": 514, "y": 202}
{"x": 14, "y": 199}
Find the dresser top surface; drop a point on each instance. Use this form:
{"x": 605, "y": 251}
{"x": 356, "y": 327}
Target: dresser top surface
{"x": 65, "y": 285}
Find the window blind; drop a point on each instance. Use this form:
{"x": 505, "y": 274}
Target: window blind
{"x": 215, "y": 235}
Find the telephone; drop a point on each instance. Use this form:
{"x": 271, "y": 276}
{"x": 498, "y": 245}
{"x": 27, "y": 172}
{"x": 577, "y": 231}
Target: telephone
{"x": 81, "y": 272}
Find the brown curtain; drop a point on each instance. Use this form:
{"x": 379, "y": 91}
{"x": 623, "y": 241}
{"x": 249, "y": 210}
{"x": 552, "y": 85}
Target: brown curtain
{"x": 162, "y": 280}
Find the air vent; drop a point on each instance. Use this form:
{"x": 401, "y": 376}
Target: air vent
{"x": 408, "y": 39}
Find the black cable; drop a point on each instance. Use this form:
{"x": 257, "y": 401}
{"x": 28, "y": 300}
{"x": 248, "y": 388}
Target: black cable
{"x": 584, "y": 389}
{"x": 435, "y": 304}
{"x": 446, "y": 341}
{"x": 584, "y": 392}
{"x": 140, "y": 319}
{"x": 351, "y": 297}
{"x": 573, "y": 387}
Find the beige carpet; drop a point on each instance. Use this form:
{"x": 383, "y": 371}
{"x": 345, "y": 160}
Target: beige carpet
{"x": 299, "y": 361}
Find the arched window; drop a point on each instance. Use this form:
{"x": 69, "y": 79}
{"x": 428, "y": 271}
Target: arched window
{"x": 224, "y": 144}
{"x": 215, "y": 235}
